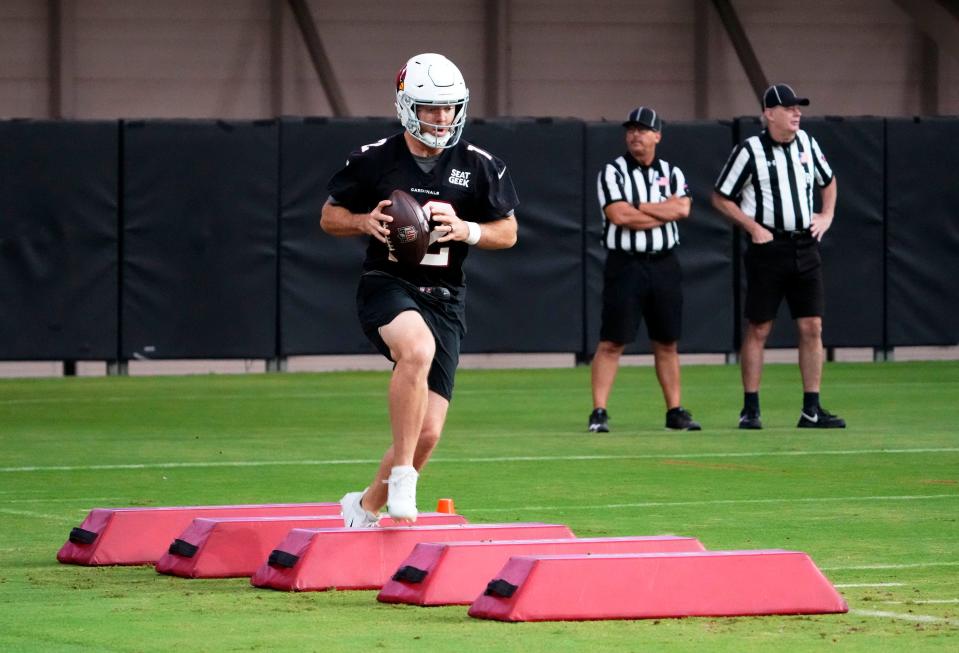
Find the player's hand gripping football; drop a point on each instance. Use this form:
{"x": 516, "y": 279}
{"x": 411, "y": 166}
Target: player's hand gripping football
{"x": 376, "y": 223}
{"x": 448, "y": 225}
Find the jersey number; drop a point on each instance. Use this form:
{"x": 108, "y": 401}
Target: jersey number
{"x": 440, "y": 258}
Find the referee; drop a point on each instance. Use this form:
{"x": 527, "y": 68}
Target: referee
{"x": 766, "y": 188}
{"x": 641, "y": 197}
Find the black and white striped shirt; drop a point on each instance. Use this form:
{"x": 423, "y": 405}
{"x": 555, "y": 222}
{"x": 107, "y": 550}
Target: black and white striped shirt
{"x": 773, "y": 182}
{"x": 626, "y": 180}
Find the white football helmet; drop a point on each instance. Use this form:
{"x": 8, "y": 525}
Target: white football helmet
{"x": 431, "y": 79}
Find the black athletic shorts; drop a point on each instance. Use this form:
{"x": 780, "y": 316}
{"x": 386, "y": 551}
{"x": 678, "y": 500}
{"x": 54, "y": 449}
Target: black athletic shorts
{"x": 638, "y": 286}
{"x": 380, "y": 297}
{"x": 790, "y": 267}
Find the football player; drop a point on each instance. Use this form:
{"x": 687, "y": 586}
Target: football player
{"x": 415, "y": 313}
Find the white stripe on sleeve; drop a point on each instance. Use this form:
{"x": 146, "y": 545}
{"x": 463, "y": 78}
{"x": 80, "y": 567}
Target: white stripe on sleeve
{"x": 730, "y": 178}
{"x": 823, "y": 171}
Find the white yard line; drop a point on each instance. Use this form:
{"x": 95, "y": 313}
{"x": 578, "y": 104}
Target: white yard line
{"x": 185, "y": 465}
{"x": 906, "y": 565}
{"x": 326, "y": 394}
{"x": 311, "y": 396}
{"x": 496, "y": 459}
{"x": 140, "y": 398}
{"x": 922, "y": 602}
{"x": 86, "y": 500}
{"x": 711, "y": 502}
{"x": 916, "y": 618}
{"x": 715, "y": 454}
{"x": 39, "y": 515}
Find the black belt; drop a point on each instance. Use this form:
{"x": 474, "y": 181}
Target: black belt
{"x": 800, "y": 234}
{"x": 645, "y": 256}
{"x": 440, "y": 292}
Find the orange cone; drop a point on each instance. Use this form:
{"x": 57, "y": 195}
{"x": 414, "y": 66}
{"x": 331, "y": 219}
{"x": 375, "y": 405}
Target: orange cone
{"x": 445, "y": 505}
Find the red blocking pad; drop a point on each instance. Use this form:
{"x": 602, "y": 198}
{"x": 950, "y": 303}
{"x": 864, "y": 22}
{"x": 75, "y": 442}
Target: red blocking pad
{"x": 455, "y": 573}
{"x": 232, "y": 547}
{"x": 345, "y": 558}
{"x": 654, "y": 585}
{"x": 139, "y": 536}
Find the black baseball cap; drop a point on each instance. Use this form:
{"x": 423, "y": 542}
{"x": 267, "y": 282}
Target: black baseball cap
{"x": 782, "y": 95}
{"x": 644, "y": 117}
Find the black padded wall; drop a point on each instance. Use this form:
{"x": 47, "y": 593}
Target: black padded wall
{"x": 188, "y": 239}
{"x": 318, "y": 272}
{"x": 58, "y": 240}
{"x": 852, "y": 249}
{"x": 199, "y": 239}
{"x": 530, "y": 298}
{"x": 705, "y": 250}
{"x": 923, "y": 232}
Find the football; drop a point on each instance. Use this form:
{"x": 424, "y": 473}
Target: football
{"x": 410, "y": 230}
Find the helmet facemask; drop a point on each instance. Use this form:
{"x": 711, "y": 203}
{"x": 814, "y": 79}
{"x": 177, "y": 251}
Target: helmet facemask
{"x": 431, "y": 80}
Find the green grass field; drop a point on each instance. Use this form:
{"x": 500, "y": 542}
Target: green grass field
{"x": 875, "y": 505}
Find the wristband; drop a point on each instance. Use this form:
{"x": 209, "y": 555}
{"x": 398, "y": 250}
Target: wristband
{"x": 475, "y": 233}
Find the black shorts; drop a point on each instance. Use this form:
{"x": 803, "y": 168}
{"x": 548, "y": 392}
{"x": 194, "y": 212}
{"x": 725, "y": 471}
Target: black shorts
{"x": 638, "y": 286}
{"x": 784, "y": 267}
{"x": 380, "y": 297}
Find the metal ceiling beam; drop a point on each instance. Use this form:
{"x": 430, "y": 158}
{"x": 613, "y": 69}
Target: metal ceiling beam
{"x": 938, "y": 24}
{"x": 497, "y": 28}
{"x": 278, "y": 63}
{"x": 952, "y": 6}
{"x": 937, "y": 20}
{"x": 929, "y": 77}
{"x": 701, "y": 60}
{"x": 61, "y": 63}
{"x": 744, "y": 49}
{"x": 321, "y": 62}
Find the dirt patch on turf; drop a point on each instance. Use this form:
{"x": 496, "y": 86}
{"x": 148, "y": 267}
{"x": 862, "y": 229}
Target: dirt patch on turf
{"x": 938, "y": 481}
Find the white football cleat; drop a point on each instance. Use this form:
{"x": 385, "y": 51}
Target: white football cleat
{"x": 401, "y": 501}
{"x": 353, "y": 513}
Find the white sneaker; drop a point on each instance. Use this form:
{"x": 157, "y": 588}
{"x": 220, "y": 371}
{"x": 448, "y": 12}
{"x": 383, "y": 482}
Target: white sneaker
{"x": 353, "y": 513}
{"x": 401, "y": 501}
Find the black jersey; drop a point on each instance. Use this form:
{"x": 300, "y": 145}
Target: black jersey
{"x": 472, "y": 180}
